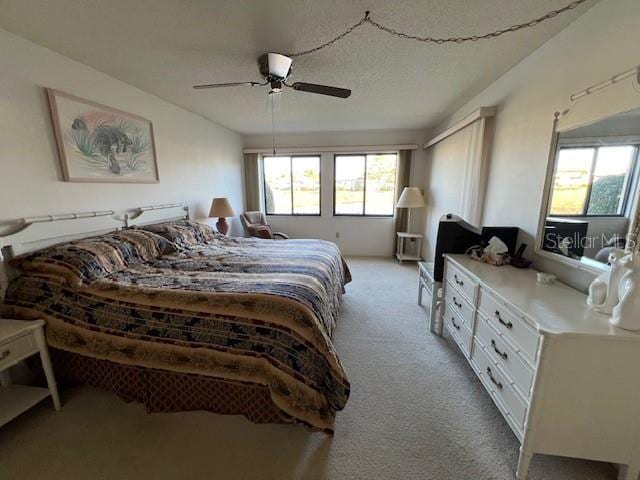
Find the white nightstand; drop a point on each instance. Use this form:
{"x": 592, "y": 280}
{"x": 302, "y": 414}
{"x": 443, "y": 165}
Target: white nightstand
{"x": 20, "y": 339}
{"x": 400, "y": 251}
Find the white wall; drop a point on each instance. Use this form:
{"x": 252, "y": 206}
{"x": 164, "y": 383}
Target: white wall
{"x": 197, "y": 159}
{"x": 602, "y": 42}
{"x": 357, "y": 236}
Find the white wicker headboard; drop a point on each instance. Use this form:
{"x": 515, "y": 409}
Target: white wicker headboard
{"x": 33, "y": 233}
{"x": 156, "y": 214}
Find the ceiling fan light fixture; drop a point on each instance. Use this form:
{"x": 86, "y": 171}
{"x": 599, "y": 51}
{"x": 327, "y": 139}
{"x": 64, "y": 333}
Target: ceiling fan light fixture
{"x": 276, "y": 86}
{"x": 279, "y": 65}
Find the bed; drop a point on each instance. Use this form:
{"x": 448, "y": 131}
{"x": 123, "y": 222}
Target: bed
{"x": 178, "y": 317}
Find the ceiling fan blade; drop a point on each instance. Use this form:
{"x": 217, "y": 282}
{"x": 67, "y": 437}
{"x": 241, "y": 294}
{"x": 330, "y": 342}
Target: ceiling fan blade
{"x": 321, "y": 89}
{"x": 231, "y": 84}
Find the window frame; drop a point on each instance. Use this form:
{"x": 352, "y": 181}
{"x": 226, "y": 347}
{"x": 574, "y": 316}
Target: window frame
{"x": 627, "y": 188}
{"x": 364, "y": 187}
{"x": 291, "y": 157}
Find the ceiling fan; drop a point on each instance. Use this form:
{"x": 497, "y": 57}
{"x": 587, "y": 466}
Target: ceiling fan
{"x": 275, "y": 69}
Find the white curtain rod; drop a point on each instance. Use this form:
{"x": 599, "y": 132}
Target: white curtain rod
{"x": 356, "y": 148}
{"x": 613, "y": 80}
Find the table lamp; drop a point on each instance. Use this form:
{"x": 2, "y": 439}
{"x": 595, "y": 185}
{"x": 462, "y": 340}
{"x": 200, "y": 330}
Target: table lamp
{"x": 410, "y": 198}
{"x": 221, "y": 208}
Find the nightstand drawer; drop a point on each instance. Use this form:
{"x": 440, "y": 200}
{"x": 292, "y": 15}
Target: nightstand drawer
{"x": 17, "y": 349}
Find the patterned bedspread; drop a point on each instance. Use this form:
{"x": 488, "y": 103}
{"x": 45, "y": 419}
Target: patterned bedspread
{"x": 258, "y": 311}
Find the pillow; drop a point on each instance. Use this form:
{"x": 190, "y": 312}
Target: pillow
{"x": 261, "y": 231}
{"x": 183, "y": 233}
{"x": 90, "y": 259}
{"x": 146, "y": 245}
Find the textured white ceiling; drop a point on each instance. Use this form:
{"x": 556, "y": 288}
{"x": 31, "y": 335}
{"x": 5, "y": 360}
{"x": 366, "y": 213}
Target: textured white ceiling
{"x": 166, "y": 46}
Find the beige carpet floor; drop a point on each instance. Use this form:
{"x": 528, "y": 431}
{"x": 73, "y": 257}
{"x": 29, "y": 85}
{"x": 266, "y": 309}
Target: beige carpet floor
{"x": 416, "y": 412}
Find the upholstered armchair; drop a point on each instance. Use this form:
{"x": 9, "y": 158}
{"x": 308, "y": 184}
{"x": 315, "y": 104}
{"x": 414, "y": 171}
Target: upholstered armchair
{"x": 255, "y": 224}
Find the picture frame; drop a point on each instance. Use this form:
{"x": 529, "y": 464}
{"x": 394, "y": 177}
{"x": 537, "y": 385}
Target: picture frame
{"x": 98, "y": 143}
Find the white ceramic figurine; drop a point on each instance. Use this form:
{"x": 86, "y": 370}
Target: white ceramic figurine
{"x": 627, "y": 313}
{"x": 604, "y": 290}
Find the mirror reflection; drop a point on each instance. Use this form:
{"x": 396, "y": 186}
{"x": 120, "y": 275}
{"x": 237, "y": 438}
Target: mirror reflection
{"x": 594, "y": 188}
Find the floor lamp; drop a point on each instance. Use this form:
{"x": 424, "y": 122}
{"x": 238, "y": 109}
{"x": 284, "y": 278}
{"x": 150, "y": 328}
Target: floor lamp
{"x": 410, "y": 198}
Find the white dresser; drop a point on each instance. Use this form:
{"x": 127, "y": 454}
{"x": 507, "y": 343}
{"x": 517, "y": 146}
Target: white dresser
{"x": 566, "y": 382}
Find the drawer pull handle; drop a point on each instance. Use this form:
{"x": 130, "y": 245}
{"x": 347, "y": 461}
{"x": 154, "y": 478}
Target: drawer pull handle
{"x": 495, "y": 382}
{"x": 5, "y": 354}
{"x": 455, "y": 302}
{"x": 459, "y": 282}
{"x": 453, "y": 322}
{"x": 502, "y": 354}
{"x": 508, "y": 324}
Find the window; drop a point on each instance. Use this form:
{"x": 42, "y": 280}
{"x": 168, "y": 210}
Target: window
{"x": 365, "y": 184}
{"x": 592, "y": 181}
{"x": 292, "y": 185}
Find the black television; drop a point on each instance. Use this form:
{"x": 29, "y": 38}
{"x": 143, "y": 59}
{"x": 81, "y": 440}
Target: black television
{"x": 456, "y": 236}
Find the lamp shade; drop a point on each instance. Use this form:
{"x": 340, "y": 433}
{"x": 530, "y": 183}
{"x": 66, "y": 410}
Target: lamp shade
{"x": 220, "y": 207}
{"x": 411, "y": 198}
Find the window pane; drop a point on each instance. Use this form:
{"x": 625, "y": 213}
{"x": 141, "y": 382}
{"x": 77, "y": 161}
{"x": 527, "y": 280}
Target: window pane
{"x": 610, "y": 178}
{"x": 277, "y": 185}
{"x": 306, "y": 185}
{"x": 349, "y": 177}
{"x": 571, "y": 182}
{"x": 381, "y": 182}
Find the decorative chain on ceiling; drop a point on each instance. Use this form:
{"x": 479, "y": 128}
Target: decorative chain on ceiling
{"x": 440, "y": 41}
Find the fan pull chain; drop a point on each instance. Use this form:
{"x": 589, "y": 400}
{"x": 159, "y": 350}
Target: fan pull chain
{"x": 441, "y": 41}
{"x": 273, "y": 126}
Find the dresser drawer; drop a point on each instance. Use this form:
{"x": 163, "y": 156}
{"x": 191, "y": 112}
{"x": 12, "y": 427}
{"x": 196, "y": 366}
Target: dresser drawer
{"x": 505, "y": 355}
{"x": 513, "y": 328}
{"x": 499, "y": 385}
{"x": 461, "y": 282}
{"x": 17, "y": 349}
{"x": 460, "y": 305}
{"x": 459, "y": 329}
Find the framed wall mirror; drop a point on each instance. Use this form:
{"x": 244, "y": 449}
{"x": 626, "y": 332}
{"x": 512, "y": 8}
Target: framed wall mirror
{"x": 591, "y": 196}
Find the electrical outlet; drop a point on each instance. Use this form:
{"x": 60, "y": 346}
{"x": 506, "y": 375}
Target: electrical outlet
{"x": 337, "y": 234}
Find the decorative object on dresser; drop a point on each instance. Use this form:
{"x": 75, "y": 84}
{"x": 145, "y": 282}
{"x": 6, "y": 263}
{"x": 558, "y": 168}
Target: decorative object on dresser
{"x": 20, "y": 339}
{"x": 255, "y": 225}
{"x": 566, "y": 382}
{"x": 97, "y": 143}
{"x": 626, "y": 314}
{"x": 546, "y": 278}
{"x": 603, "y": 291}
{"x": 518, "y": 259}
{"x": 221, "y": 208}
{"x": 434, "y": 294}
